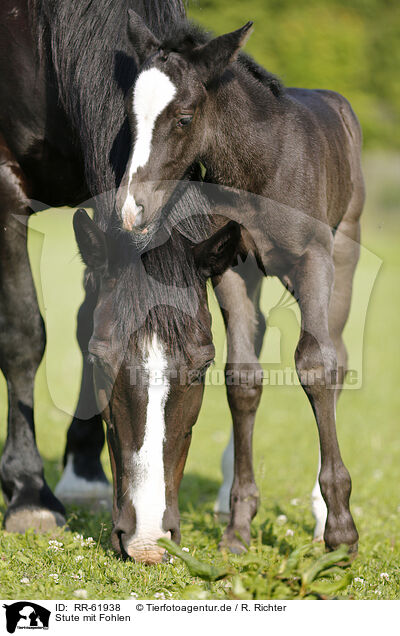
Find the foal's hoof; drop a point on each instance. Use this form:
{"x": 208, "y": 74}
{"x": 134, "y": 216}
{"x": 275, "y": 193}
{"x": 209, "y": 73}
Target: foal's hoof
{"x": 232, "y": 542}
{"x": 38, "y": 519}
{"x": 352, "y": 553}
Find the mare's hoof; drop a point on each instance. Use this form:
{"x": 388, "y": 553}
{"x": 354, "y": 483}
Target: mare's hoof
{"x": 95, "y": 503}
{"x": 38, "y": 519}
{"x": 72, "y": 489}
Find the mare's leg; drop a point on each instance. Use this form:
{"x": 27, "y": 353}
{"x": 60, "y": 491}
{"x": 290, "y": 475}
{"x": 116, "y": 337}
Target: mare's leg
{"x": 30, "y": 502}
{"x": 317, "y": 366}
{"x": 238, "y": 295}
{"x": 345, "y": 257}
{"x": 83, "y": 479}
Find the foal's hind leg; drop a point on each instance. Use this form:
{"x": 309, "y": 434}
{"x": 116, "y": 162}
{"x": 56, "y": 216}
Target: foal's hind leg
{"x": 345, "y": 257}
{"x": 83, "y": 480}
{"x": 316, "y": 364}
{"x": 238, "y": 296}
{"x": 22, "y": 341}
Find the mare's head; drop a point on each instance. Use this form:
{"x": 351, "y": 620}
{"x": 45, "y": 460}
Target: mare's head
{"x": 150, "y": 348}
{"x": 168, "y": 113}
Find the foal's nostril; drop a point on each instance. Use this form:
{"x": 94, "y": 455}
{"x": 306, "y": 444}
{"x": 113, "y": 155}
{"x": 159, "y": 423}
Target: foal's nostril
{"x": 119, "y": 544}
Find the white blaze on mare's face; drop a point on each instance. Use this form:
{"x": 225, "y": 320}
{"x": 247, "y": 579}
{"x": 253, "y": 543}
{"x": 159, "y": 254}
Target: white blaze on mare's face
{"x": 148, "y": 490}
{"x": 152, "y": 93}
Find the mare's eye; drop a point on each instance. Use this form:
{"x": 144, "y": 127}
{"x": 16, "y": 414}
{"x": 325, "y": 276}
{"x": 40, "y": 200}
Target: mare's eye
{"x": 196, "y": 376}
{"x": 184, "y": 120}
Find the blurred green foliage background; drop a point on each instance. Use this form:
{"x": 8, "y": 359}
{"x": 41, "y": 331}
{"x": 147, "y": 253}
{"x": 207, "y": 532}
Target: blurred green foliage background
{"x": 351, "y": 46}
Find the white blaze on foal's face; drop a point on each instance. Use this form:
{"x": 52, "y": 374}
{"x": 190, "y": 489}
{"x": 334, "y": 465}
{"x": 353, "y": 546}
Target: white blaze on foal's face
{"x": 148, "y": 490}
{"x": 153, "y": 92}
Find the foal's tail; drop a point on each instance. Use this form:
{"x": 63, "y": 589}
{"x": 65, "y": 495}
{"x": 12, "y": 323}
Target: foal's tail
{"x": 160, "y": 15}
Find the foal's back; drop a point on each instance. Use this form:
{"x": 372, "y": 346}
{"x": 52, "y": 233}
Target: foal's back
{"x": 332, "y": 137}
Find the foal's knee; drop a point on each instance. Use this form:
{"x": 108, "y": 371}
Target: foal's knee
{"x": 244, "y": 386}
{"x": 334, "y": 479}
{"x": 316, "y": 361}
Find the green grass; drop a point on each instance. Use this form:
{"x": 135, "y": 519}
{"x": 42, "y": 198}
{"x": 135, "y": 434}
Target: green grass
{"x": 285, "y": 444}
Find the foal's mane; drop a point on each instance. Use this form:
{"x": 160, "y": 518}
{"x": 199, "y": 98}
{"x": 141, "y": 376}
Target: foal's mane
{"x": 182, "y": 36}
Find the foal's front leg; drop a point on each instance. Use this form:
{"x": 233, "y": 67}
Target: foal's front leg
{"x": 244, "y": 386}
{"x": 316, "y": 364}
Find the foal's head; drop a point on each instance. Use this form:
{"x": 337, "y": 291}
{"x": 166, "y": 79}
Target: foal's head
{"x": 166, "y": 109}
{"x": 150, "y": 348}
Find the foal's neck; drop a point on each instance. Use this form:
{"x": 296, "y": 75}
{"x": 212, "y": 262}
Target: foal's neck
{"x": 239, "y": 142}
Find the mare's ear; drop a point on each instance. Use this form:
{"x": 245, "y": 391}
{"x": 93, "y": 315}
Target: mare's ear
{"x": 91, "y": 241}
{"x": 140, "y": 36}
{"x": 217, "y": 253}
{"x": 213, "y": 58}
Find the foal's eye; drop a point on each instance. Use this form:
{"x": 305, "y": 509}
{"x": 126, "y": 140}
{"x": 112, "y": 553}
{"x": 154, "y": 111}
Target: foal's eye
{"x": 184, "y": 120}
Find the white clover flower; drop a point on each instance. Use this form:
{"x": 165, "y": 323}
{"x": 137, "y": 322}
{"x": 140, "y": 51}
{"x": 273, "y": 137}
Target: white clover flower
{"x": 295, "y": 502}
{"x": 289, "y": 533}
{"x": 89, "y": 542}
{"x": 384, "y": 576}
{"x": 25, "y": 580}
{"x": 80, "y": 593}
{"x": 185, "y": 549}
{"x": 79, "y": 558}
{"x": 57, "y": 546}
{"x": 281, "y": 520}
{"x": 358, "y": 579}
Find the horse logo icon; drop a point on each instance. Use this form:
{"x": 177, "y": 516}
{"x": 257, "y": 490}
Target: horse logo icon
{"x": 26, "y": 615}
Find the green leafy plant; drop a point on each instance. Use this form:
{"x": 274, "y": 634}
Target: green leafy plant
{"x": 299, "y": 576}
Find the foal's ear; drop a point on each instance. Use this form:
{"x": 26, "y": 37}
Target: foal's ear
{"x": 91, "y": 240}
{"x": 213, "y": 57}
{"x": 217, "y": 253}
{"x": 140, "y": 36}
